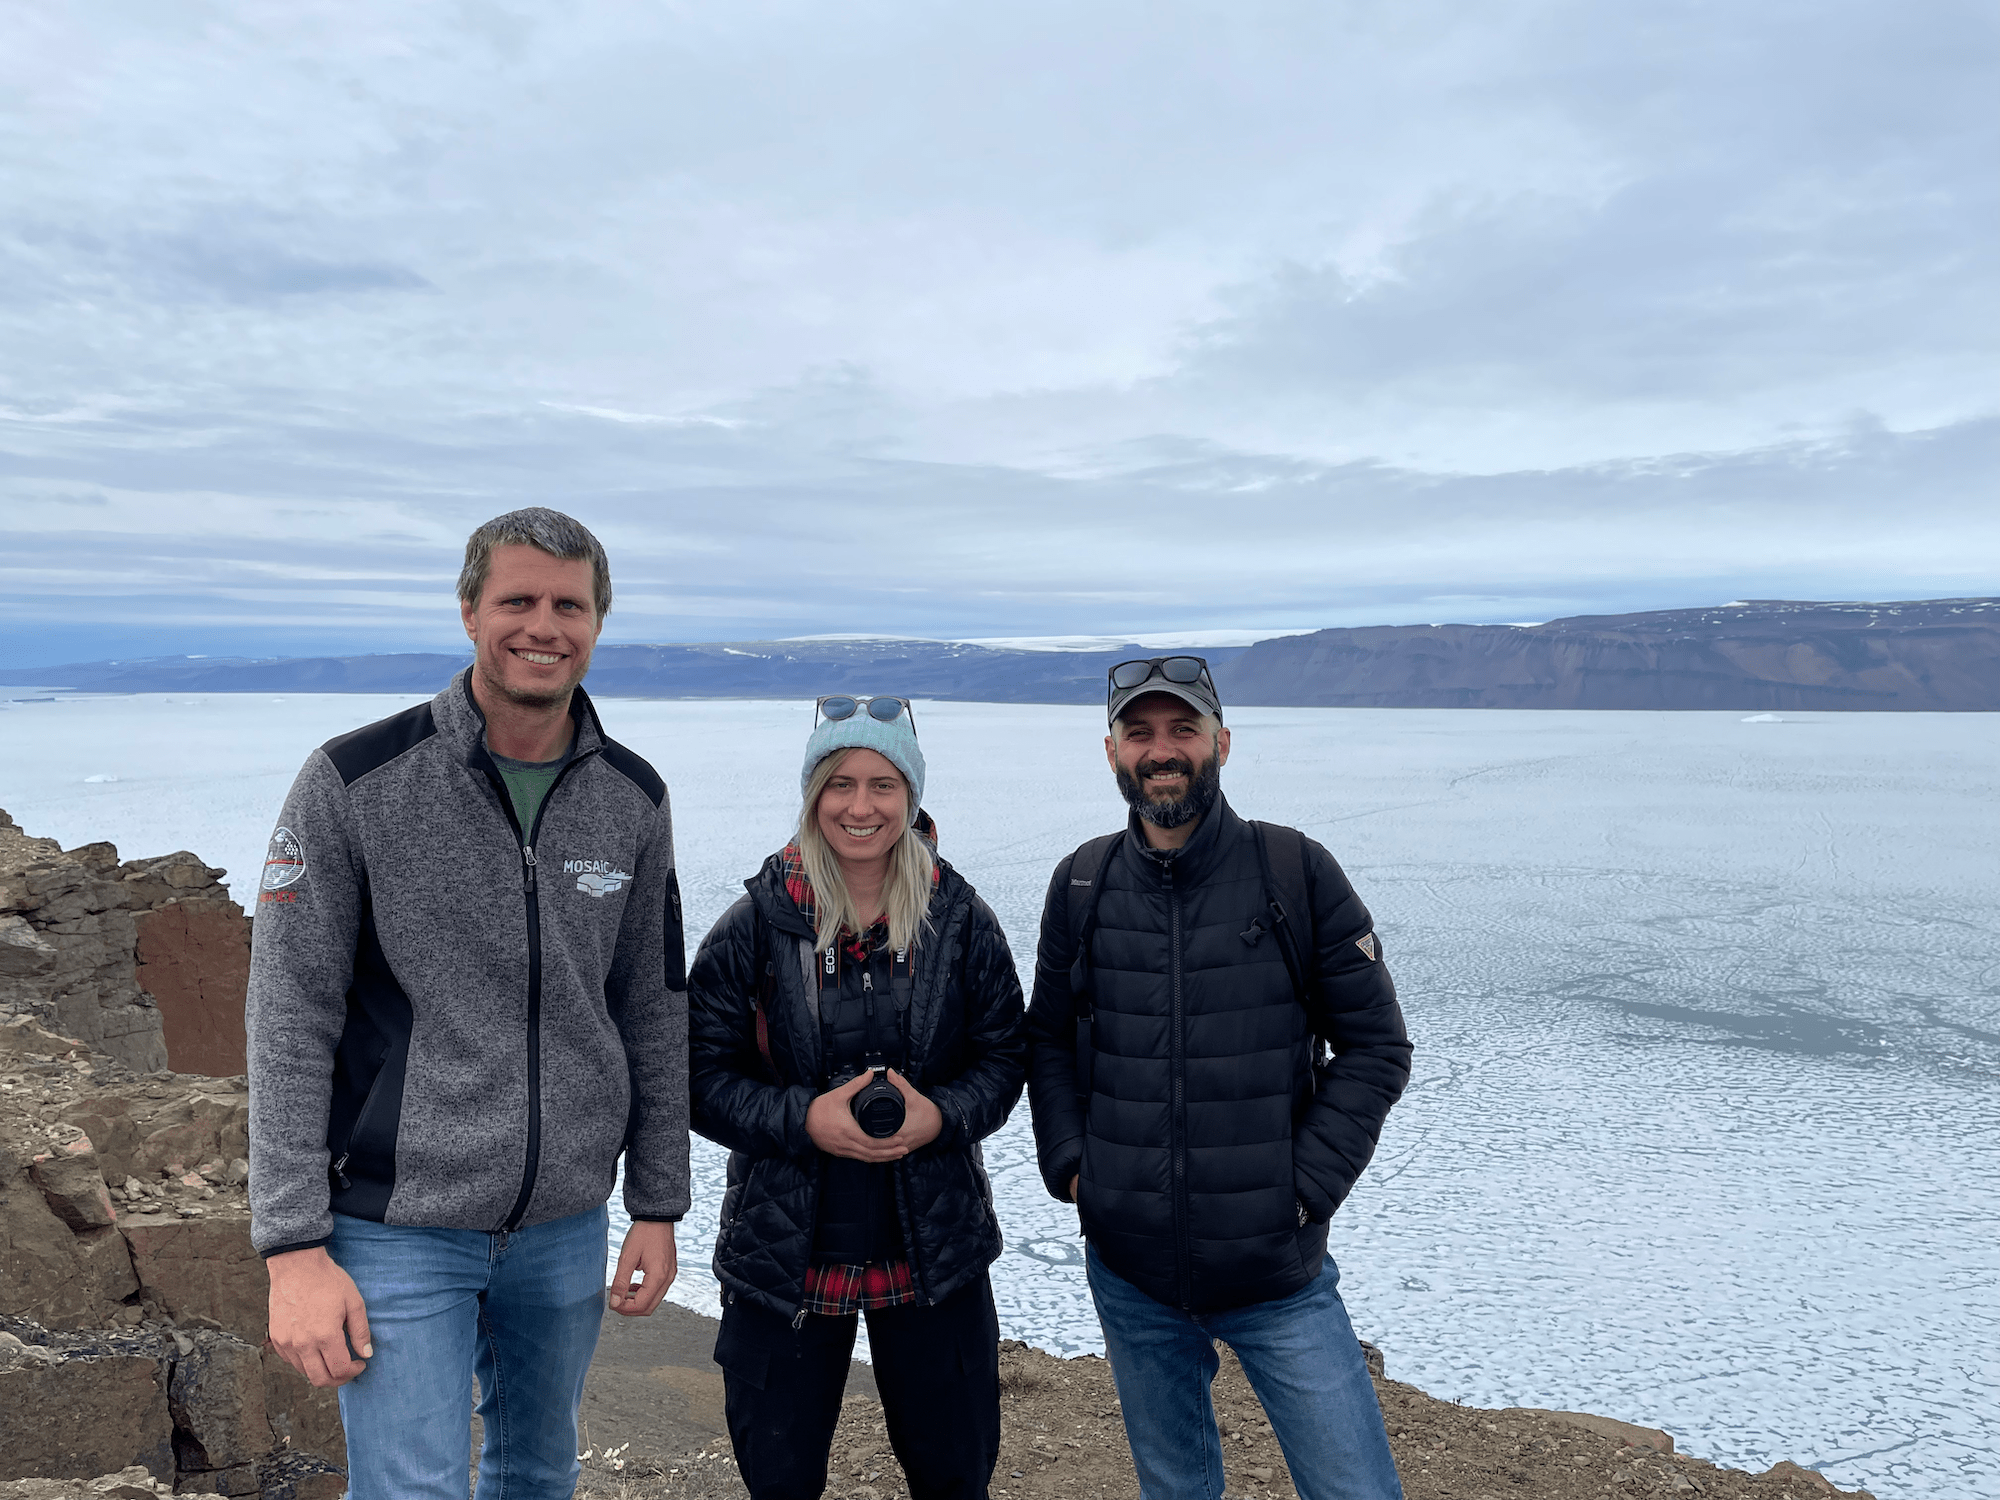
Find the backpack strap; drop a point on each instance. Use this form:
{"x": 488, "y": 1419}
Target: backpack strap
{"x": 1086, "y": 884}
{"x": 1281, "y": 859}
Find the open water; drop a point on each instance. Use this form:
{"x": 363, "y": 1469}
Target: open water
{"x": 1705, "y": 1127}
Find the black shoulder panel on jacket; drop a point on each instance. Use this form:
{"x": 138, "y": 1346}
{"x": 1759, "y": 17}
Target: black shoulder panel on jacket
{"x": 635, "y": 769}
{"x": 372, "y": 747}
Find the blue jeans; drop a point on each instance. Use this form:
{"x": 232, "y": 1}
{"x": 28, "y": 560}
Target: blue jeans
{"x": 520, "y": 1311}
{"x": 1303, "y": 1361}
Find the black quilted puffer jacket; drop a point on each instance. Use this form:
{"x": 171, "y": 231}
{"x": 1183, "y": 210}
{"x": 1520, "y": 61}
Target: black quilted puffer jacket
{"x": 1212, "y": 1152}
{"x": 967, "y": 1054}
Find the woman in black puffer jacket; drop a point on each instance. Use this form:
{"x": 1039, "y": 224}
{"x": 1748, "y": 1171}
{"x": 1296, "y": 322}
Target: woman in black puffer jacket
{"x": 855, "y": 1031}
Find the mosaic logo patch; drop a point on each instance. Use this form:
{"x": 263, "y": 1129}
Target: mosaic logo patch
{"x": 284, "y": 861}
{"x": 596, "y": 877}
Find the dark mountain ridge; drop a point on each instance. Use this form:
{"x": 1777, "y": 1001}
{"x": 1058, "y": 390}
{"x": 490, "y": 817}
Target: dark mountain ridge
{"x": 1763, "y": 654}
{"x": 1759, "y": 655}
{"x": 718, "y": 669}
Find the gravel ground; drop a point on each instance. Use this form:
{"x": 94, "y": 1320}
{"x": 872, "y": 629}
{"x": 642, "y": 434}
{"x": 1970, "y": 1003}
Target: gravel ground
{"x": 1062, "y": 1439}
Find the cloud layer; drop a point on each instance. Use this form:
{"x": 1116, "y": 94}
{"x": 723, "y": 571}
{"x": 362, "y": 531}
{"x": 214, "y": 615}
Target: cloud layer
{"x": 954, "y": 322}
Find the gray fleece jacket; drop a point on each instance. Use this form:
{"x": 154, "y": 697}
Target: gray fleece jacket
{"x": 453, "y": 1025}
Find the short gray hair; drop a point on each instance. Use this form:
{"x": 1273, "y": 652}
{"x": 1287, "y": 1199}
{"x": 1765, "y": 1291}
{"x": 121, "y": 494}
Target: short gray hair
{"x": 546, "y": 530}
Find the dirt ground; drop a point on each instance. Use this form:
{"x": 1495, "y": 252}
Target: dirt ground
{"x": 654, "y": 1429}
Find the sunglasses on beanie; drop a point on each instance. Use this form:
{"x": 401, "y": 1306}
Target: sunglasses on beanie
{"x": 882, "y": 709}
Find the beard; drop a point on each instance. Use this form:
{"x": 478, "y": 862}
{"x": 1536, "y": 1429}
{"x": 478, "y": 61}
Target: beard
{"x": 527, "y": 697}
{"x": 1204, "y": 785}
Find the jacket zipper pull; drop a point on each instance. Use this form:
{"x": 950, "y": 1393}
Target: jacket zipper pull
{"x": 528, "y": 866}
{"x": 800, "y": 1321}
{"x": 867, "y": 981}
{"x": 338, "y": 1175}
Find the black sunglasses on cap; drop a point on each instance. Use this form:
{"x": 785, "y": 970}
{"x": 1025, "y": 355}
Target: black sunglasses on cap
{"x": 884, "y": 710}
{"x": 1186, "y": 677}
{"x": 1183, "y": 669}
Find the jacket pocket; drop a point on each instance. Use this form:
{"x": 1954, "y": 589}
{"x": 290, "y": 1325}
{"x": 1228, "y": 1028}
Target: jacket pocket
{"x": 362, "y": 1166}
{"x": 675, "y": 936}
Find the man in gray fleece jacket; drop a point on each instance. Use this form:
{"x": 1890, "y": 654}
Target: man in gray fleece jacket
{"x": 467, "y": 998}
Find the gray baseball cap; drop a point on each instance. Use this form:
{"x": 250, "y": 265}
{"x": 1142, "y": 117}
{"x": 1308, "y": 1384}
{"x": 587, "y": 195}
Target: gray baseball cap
{"x": 1185, "y": 677}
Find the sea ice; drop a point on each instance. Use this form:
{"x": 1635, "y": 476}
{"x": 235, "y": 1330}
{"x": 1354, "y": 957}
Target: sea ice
{"x": 1706, "y": 1109}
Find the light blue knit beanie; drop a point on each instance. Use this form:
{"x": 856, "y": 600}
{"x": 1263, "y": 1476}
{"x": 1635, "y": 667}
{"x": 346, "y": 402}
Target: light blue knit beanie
{"x": 895, "y": 741}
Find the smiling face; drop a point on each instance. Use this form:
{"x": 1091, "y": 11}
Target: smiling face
{"x": 863, "y": 810}
{"x": 533, "y": 627}
{"x": 1167, "y": 759}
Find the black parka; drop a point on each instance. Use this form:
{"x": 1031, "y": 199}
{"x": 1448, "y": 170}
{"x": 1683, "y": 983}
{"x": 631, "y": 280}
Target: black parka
{"x": 967, "y": 1054}
{"x": 1208, "y": 1128}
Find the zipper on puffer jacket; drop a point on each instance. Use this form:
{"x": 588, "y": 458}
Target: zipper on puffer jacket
{"x": 531, "y": 1168}
{"x": 1177, "y": 1118}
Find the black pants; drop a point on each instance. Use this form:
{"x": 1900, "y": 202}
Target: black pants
{"x": 937, "y": 1368}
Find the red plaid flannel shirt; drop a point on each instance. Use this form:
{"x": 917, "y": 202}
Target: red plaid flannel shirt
{"x": 838, "y": 1290}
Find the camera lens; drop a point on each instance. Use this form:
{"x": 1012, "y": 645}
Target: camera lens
{"x": 878, "y": 1108}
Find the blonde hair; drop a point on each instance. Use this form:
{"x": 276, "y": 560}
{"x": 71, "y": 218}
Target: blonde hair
{"x": 906, "y": 891}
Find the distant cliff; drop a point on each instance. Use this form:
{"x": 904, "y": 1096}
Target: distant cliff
{"x": 1760, "y": 655}
{"x": 710, "y": 669}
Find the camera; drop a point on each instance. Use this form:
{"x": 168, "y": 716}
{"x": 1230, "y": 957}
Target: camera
{"x": 878, "y": 1108}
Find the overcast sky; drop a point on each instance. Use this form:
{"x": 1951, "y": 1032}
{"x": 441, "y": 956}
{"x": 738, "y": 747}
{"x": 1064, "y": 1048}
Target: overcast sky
{"x": 964, "y": 321}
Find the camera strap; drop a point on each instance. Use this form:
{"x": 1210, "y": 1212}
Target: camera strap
{"x": 902, "y": 985}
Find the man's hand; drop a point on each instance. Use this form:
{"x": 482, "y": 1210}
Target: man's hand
{"x": 649, "y": 1251}
{"x": 316, "y": 1314}
{"x": 831, "y": 1124}
{"x": 1072, "y": 1188}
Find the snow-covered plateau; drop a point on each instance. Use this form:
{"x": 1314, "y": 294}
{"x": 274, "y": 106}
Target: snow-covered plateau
{"x": 1705, "y": 1124}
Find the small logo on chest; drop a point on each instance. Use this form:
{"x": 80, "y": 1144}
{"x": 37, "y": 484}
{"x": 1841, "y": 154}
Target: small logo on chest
{"x": 596, "y": 877}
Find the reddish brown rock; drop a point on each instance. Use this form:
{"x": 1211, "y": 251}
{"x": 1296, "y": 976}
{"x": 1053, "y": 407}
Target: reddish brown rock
{"x": 69, "y": 950}
{"x": 73, "y": 1185}
{"x": 77, "y": 1418}
{"x": 194, "y": 960}
{"x": 202, "y": 1271}
{"x": 59, "y": 1279}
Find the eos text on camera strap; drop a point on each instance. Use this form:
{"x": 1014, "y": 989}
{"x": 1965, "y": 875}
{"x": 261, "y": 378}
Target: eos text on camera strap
{"x": 902, "y": 985}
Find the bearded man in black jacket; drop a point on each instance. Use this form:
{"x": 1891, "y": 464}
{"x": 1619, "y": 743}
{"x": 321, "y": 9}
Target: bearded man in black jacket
{"x": 1183, "y": 1099}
